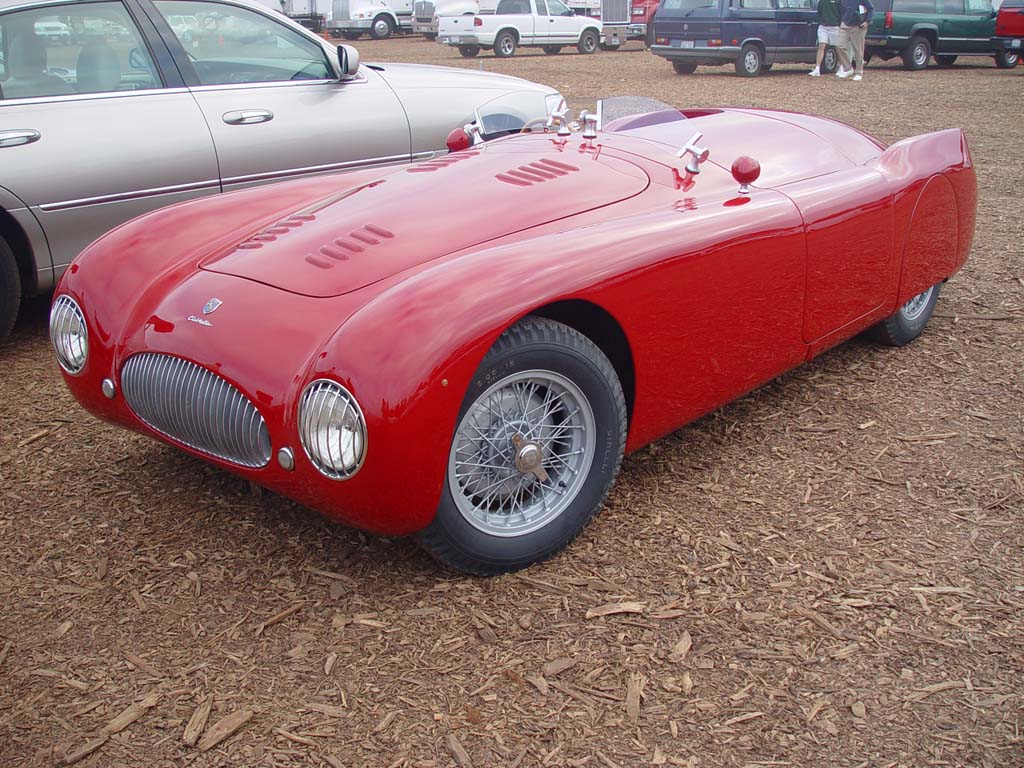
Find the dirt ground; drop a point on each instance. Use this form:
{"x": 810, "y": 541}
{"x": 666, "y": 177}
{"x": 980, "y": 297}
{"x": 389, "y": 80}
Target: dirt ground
{"x": 828, "y": 572}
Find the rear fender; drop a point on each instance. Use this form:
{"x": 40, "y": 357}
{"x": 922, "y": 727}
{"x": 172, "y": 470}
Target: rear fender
{"x": 934, "y": 200}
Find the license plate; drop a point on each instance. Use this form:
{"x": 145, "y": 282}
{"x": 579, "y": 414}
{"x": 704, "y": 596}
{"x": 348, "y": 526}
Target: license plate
{"x": 686, "y": 43}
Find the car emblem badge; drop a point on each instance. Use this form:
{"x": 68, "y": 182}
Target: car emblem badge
{"x": 211, "y": 306}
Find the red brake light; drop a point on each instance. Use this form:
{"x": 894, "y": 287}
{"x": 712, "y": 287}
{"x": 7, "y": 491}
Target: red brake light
{"x": 477, "y": 21}
{"x": 888, "y": 19}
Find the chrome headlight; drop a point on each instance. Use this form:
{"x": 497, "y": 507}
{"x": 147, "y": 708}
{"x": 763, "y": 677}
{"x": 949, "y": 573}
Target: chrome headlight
{"x": 332, "y": 429}
{"x": 69, "y": 334}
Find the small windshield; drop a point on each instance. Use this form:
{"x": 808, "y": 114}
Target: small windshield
{"x": 513, "y": 112}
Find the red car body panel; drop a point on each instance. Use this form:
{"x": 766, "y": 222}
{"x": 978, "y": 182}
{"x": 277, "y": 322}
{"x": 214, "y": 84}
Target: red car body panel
{"x": 715, "y": 293}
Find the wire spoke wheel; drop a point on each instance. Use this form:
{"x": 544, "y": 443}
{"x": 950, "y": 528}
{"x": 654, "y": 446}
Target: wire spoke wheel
{"x": 521, "y": 453}
{"x": 916, "y": 306}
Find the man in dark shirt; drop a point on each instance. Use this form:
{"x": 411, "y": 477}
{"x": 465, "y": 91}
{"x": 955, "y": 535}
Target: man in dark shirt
{"x": 855, "y": 15}
{"x": 828, "y": 31}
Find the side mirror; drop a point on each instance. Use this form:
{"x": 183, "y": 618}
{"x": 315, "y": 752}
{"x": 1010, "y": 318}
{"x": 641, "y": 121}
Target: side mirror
{"x": 136, "y": 60}
{"x": 348, "y": 60}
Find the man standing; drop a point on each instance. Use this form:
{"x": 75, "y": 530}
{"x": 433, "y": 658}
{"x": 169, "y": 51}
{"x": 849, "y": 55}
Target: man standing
{"x": 855, "y": 15}
{"x": 828, "y": 31}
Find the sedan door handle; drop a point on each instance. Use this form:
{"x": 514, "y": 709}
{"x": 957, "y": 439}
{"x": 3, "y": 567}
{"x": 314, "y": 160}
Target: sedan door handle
{"x": 16, "y": 138}
{"x": 248, "y": 116}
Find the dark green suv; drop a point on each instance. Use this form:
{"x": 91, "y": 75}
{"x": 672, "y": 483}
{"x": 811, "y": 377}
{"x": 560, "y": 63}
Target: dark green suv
{"x": 916, "y": 30}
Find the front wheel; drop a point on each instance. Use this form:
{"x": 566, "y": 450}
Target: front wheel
{"x": 750, "y": 61}
{"x": 469, "y": 51}
{"x": 10, "y": 289}
{"x": 381, "y": 29}
{"x": 684, "y": 67}
{"x": 610, "y": 46}
{"x": 907, "y": 322}
{"x": 539, "y": 441}
{"x": 505, "y": 45}
{"x": 551, "y": 50}
{"x": 917, "y": 53}
{"x": 588, "y": 42}
{"x": 1007, "y": 59}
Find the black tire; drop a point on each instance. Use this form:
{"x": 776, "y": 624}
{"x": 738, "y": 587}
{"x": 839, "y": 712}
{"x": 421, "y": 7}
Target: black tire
{"x": 551, "y": 50}
{"x": 917, "y": 53}
{"x": 907, "y": 322}
{"x": 610, "y": 46}
{"x": 750, "y": 61}
{"x": 830, "y": 61}
{"x": 10, "y": 289}
{"x": 1007, "y": 59}
{"x": 945, "y": 60}
{"x": 588, "y": 42}
{"x": 684, "y": 67}
{"x": 505, "y": 45}
{"x": 469, "y": 51}
{"x": 430, "y": 36}
{"x": 351, "y": 35}
{"x": 381, "y": 28}
{"x": 539, "y": 346}
{"x": 867, "y": 57}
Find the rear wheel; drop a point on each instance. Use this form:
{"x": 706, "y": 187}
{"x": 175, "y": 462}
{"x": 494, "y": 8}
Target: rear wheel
{"x": 10, "y": 289}
{"x": 430, "y": 36}
{"x": 907, "y": 322}
{"x": 684, "y": 67}
{"x": 830, "y": 61}
{"x": 610, "y": 46}
{"x": 588, "y": 42}
{"x": 945, "y": 60}
{"x": 917, "y": 53}
{"x": 505, "y": 45}
{"x": 551, "y": 50}
{"x": 469, "y": 51}
{"x": 351, "y": 35}
{"x": 750, "y": 61}
{"x": 539, "y": 441}
{"x": 381, "y": 29}
{"x": 1007, "y": 59}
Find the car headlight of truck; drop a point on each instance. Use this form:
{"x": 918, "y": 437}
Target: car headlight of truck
{"x": 332, "y": 429}
{"x": 69, "y": 334}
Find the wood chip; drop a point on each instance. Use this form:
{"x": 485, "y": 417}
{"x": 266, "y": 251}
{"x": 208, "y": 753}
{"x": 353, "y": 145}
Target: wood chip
{"x": 329, "y": 662}
{"x": 634, "y": 691}
{"x": 821, "y": 622}
{"x": 681, "y": 648}
{"x": 540, "y": 684}
{"x": 140, "y": 663}
{"x": 924, "y": 693}
{"x": 294, "y": 737}
{"x": 742, "y": 718}
{"x": 389, "y": 718}
{"x": 858, "y": 709}
{"x": 3, "y": 652}
{"x": 327, "y": 709}
{"x": 278, "y": 617}
{"x": 84, "y": 751}
{"x": 459, "y": 753}
{"x": 611, "y": 609}
{"x": 558, "y": 666}
{"x": 224, "y": 728}
{"x": 131, "y": 714}
{"x": 197, "y": 722}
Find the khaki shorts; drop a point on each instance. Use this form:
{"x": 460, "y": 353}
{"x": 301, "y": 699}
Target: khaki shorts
{"x": 828, "y": 35}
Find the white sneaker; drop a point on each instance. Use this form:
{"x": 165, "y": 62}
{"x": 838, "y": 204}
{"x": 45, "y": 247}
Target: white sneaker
{"x": 843, "y": 73}
{"x": 816, "y": 72}
{"x": 857, "y": 78}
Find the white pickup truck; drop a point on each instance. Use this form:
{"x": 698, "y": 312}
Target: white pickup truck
{"x": 549, "y": 24}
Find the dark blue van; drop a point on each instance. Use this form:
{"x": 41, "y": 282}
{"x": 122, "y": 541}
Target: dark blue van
{"x": 750, "y": 34}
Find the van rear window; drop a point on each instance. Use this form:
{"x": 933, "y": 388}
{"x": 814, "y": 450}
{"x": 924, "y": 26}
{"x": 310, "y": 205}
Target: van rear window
{"x": 913, "y": 6}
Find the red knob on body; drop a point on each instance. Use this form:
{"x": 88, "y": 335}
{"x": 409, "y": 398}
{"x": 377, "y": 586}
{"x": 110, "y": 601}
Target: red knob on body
{"x": 746, "y": 171}
{"x": 458, "y": 140}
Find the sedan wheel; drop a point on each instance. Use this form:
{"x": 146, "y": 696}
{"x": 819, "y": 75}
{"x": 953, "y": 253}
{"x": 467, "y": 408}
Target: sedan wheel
{"x": 907, "y": 322}
{"x": 10, "y": 289}
{"x": 469, "y": 51}
{"x": 537, "y": 446}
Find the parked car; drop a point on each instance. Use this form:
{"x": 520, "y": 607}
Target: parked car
{"x": 548, "y": 24}
{"x": 343, "y": 342}
{"x": 917, "y": 30}
{"x": 752, "y": 35}
{"x": 1010, "y": 27}
{"x": 243, "y": 96}
{"x": 54, "y": 32}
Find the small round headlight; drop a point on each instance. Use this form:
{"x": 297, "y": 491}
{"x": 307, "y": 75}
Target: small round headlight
{"x": 69, "y": 334}
{"x": 332, "y": 429}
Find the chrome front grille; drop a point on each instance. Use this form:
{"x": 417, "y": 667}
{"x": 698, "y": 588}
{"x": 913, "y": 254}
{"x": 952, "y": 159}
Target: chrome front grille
{"x": 339, "y": 10}
{"x": 196, "y": 407}
{"x": 423, "y": 10}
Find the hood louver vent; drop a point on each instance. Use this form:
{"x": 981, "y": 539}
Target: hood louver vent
{"x": 535, "y": 173}
{"x": 341, "y": 248}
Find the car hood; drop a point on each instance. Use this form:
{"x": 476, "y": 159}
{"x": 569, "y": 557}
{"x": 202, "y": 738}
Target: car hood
{"x": 366, "y": 233}
{"x": 419, "y": 76}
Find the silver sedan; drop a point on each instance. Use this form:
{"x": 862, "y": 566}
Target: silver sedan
{"x": 152, "y": 102}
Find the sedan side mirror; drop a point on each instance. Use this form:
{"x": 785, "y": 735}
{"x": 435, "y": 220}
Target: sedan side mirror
{"x": 348, "y": 61}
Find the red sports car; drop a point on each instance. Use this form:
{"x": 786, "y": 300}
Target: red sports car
{"x": 465, "y": 348}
